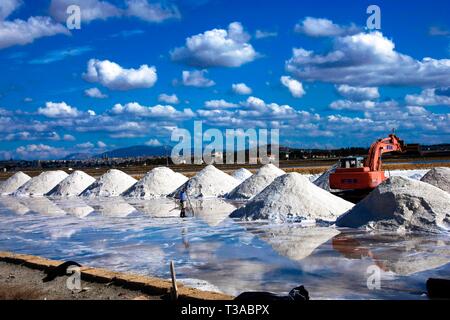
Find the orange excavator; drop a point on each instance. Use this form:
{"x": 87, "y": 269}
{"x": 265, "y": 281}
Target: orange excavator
{"x": 359, "y": 174}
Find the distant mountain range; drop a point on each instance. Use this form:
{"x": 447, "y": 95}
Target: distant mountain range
{"x": 134, "y": 151}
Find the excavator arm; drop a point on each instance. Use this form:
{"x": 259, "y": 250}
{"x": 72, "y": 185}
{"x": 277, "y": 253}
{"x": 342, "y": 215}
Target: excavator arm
{"x": 390, "y": 144}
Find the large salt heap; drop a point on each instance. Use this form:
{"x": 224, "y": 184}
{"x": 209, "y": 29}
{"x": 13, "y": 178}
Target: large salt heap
{"x": 209, "y": 182}
{"x": 241, "y": 174}
{"x": 401, "y": 204}
{"x": 13, "y": 183}
{"x": 111, "y": 184}
{"x": 256, "y": 183}
{"x": 41, "y": 184}
{"x": 292, "y": 196}
{"x": 159, "y": 182}
{"x": 323, "y": 181}
{"x": 72, "y": 186}
{"x": 438, "y": 177}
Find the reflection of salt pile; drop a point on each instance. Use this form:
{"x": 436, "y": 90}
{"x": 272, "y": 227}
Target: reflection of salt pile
{"x": 115, "y": 207}
{"x": 156, "y": 208}
{"x": 13, "y": 183}
{"x": 297, "y": 243}
{"x": 438, "y": 177}
{"x": 40, "y": 185}
{"x": 159, "y": 182}
{"x": 241, "y": 174}
{"x": 212, "y": 211}
{"x": 293, "y": 195}
{"x": 111, "y": 184}
{"x": 401, "y": 204}
{"x": 209, "y": 182}
{"x": 323, "y": 181}
{"x": 256, "y": 183}
{"x": 14, "y": 205}
{"x": 42, "y": 206}
{"x": 73, "y": 185}
{"x": 75, "y": 207}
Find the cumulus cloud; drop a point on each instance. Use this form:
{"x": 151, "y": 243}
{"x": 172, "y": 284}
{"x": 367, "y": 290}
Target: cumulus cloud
{"x": 8, "y": 6}
{"x": 368, "y": 59}
{"x": 168, "y": 98}
{"x": 58, "y": 110}
{"x": 241, "y": 88}
{"x": 294, "y": 86}
{"x": 40, "y": 151}
{"x": 214, "y": 104}
{"x": 101, "y": 144}
{"x": 85, "y": 145}
{"x": 260, "y": 34}
{"x": 95, "y": 93}
{"x": 158, "y": 111}
{"x": 217, "y": 48}
{"x": 358, "y": 93}
{"x": 68, "y": 137}
{"x": 115, "y": 77}
{"x": 22, "y": 32}
{"x": 365, "y": 105}
{"x": 429, "y": 97}
{"x": 153, "y": 143}
{"x": 320, "y": 27}
{"x": 152, "y": 12}
{"x": 196, "y": 78}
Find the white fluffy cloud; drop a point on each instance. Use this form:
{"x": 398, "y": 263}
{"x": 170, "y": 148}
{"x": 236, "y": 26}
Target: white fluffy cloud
{"x": 8, "y": 6}
{"x": 22, "y": 32}
{"x": 158, "y": 111}
{"x": 85, "y": 145}
{"x": 101, "y": 144}
{"x": 40, "y": 151}
{"x": 358, "y": 93}
{"x": 217, "y": 48}
{"x": 168, "y": 98}
{"x": 294, "y": 86}
{"x": 241, "y": 88}
{"x": 197, "y": 79}
{"x": 218, "y": 104}
{"x": 320, "y": 27}
{"x": 153, "y": 143}
{"x": 429, "y": 97}
{"x": 368, "y": 59}
{"x": 95, "y": 93}
{"x": 58, "y": 110}
{"x": 115, "y": 77}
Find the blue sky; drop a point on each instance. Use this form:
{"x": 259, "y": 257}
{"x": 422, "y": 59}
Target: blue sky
{"x": 137, "y": 69}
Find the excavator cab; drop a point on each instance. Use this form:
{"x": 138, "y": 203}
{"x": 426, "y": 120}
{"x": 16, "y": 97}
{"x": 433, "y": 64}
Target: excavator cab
{"x": 352, "y": 162}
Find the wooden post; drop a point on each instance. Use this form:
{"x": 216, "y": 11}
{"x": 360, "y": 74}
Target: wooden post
{"x": 174, "y": 293}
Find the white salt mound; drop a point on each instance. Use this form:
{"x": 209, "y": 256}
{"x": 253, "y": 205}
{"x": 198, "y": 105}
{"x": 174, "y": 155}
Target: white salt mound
{"x": 438, "y": 177}
{"x": 40, "y": 185}
{"x": 241, "y": 174}
{"x": 159, "y": 182}
{"x": 323, "y": 181}
{"x": 13, "y": 183}
{"x": 111, "y": 184}
{"x": 256, "y": 183}
{"x": 292, "y": 196}
{"x": 73, "y": 185}
{"x": 209, "y": 182}
{"x": 401, "y": 204}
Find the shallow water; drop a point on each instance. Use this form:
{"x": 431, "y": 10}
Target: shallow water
{"x": 214, "y": 252}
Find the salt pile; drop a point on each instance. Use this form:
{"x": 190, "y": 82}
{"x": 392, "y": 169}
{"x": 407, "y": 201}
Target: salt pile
{"x": 209, "y": 182}
{"x": 111, "y": 184}
{"x": 159, "y": 182}
{"x": 323, "y": 181}
{"x": 438, "y": 177}
{"x": 292, "y": 196}
{"x": 400, "y": 204}
{"x": 13, "y": 183}
{"x": 241, "y": 174}
{"x": 14, "y": 205}
{"x": 256, "y": 183}
{"x": 73, "y": 185}
{"x": 40, "y": 185}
